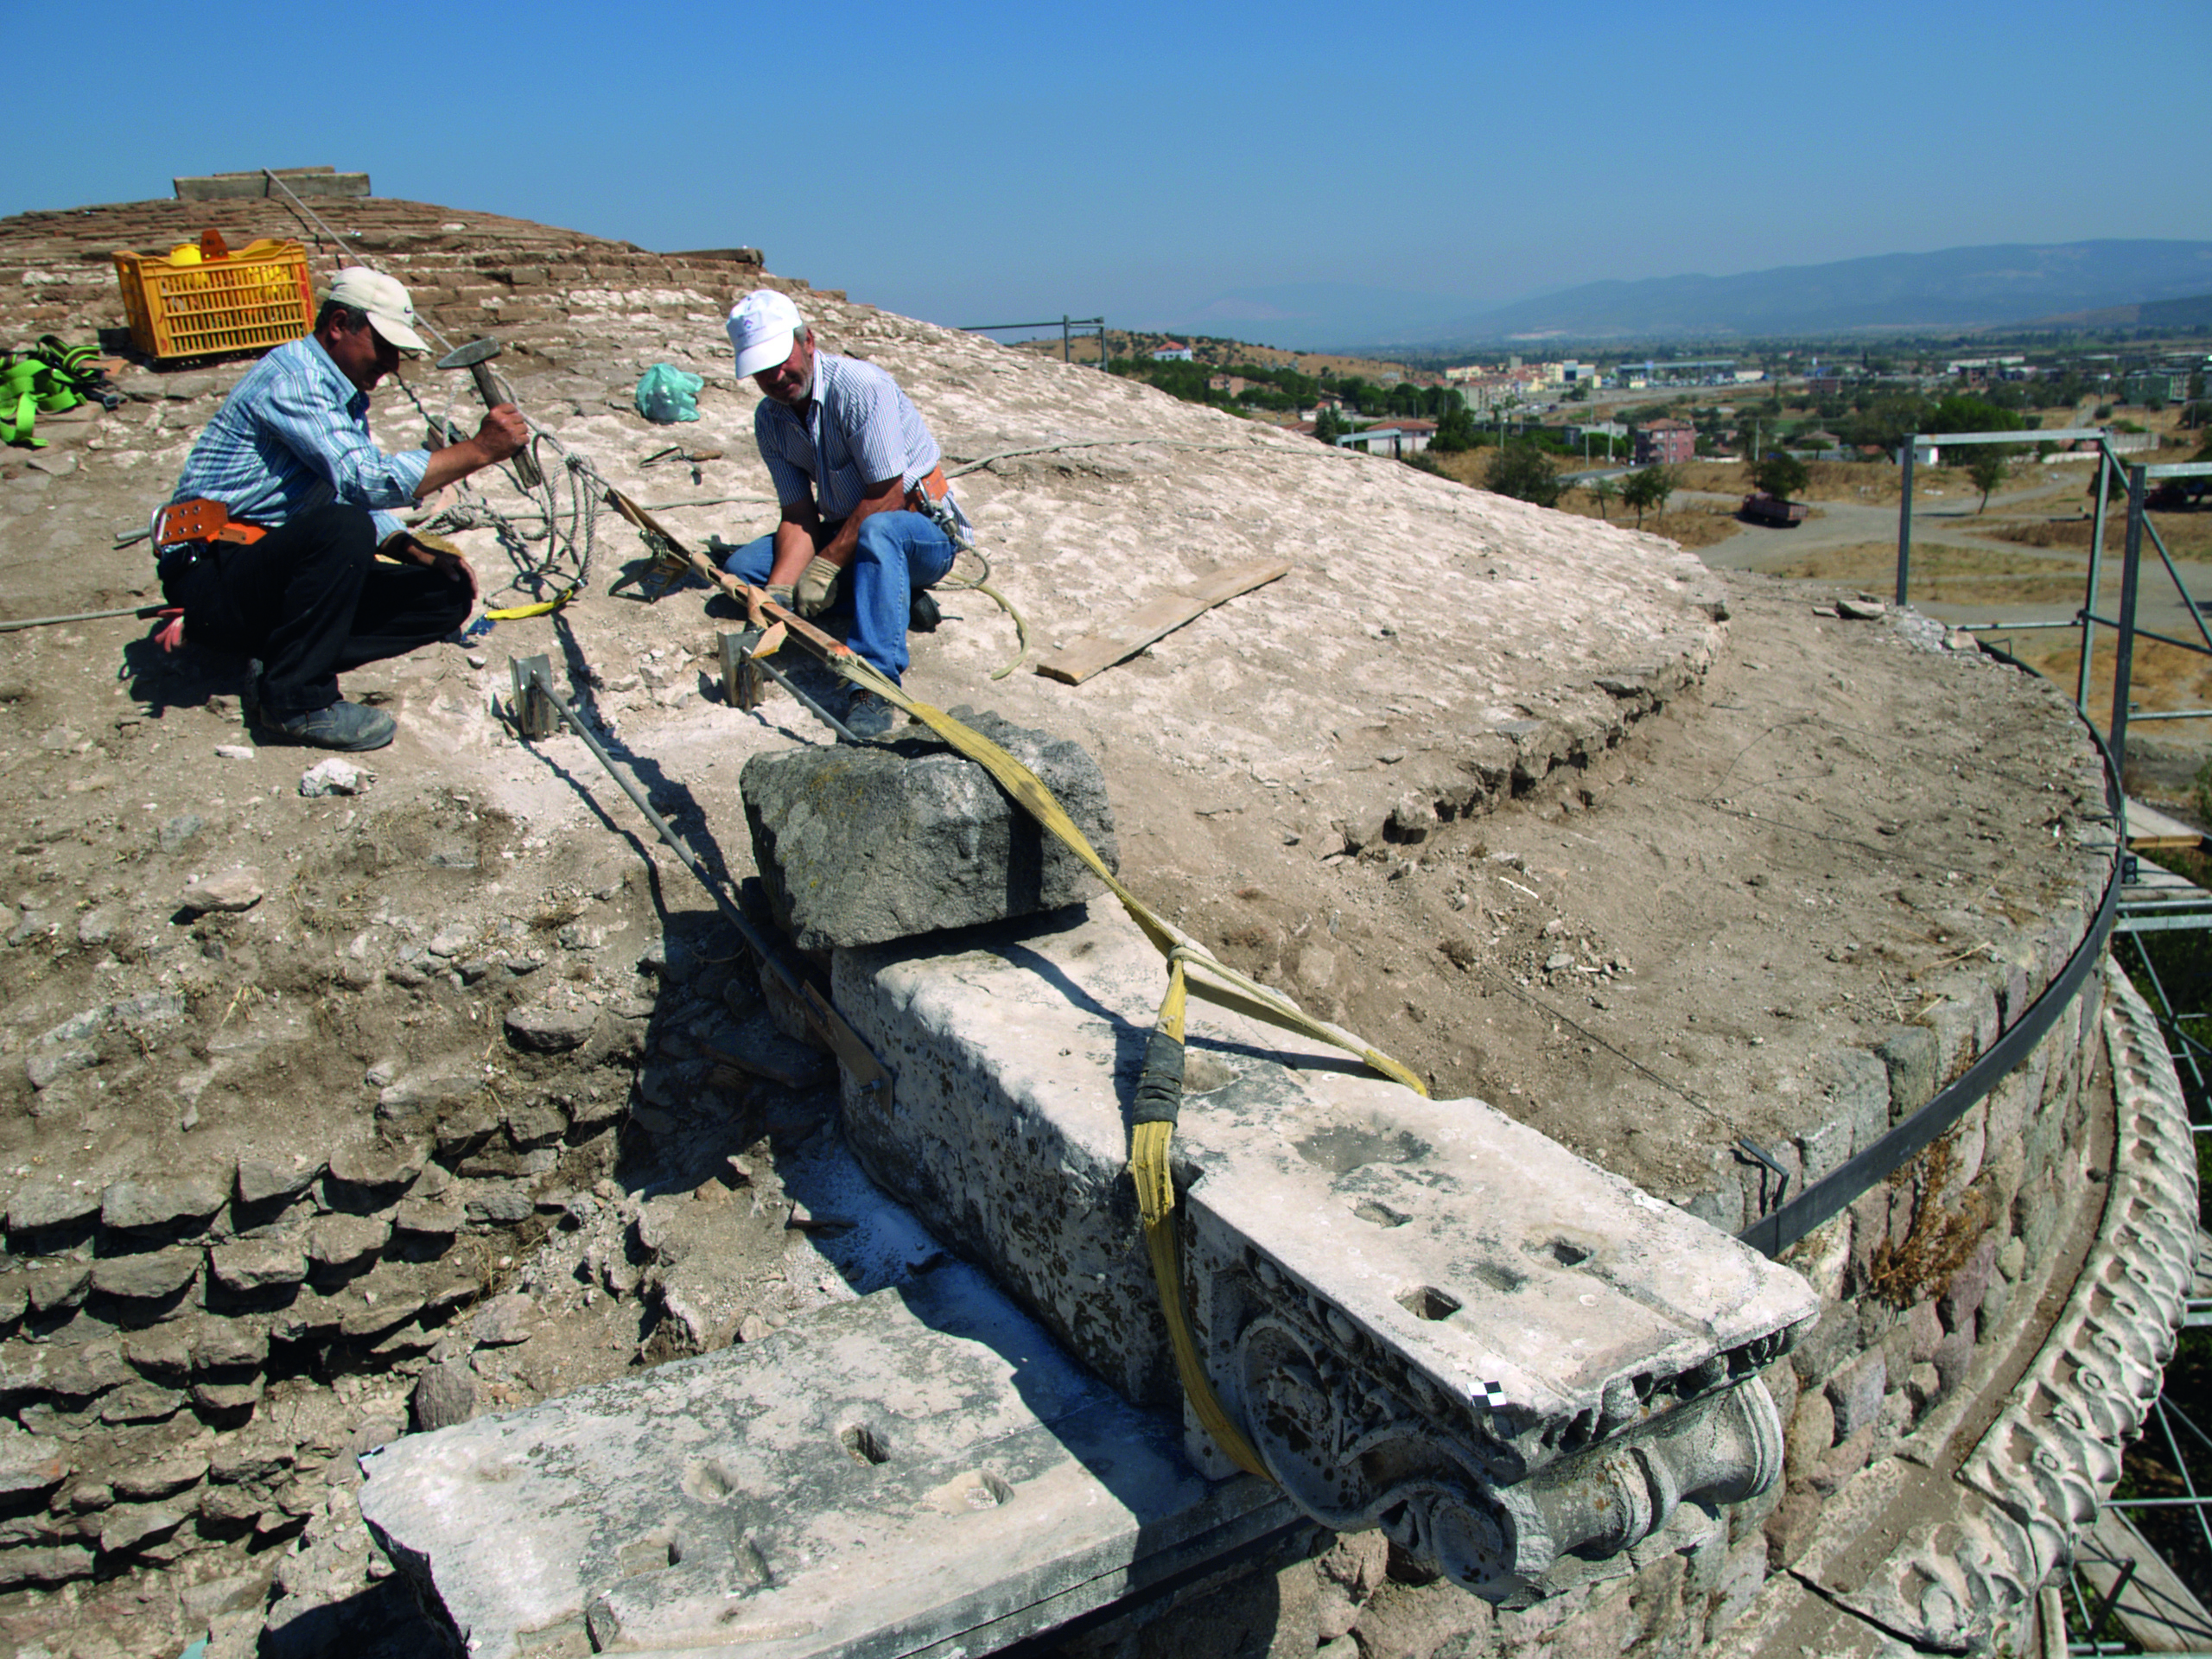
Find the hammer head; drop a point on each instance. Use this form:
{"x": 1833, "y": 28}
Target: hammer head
{"x": 465, "y": 357}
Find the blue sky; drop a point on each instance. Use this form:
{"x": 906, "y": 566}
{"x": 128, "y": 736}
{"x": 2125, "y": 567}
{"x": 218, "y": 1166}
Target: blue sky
{"x": 985, "y": 162}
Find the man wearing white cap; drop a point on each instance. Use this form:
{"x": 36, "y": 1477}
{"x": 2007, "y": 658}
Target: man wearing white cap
{"x": 297, "y": 582}
{"x": 862, "y": 492}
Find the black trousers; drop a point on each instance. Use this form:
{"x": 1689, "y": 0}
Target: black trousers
{"x": 311, "y": 600}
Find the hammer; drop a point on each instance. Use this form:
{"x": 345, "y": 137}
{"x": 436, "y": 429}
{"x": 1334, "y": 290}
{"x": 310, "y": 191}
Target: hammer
{"x": 473, "y": 357}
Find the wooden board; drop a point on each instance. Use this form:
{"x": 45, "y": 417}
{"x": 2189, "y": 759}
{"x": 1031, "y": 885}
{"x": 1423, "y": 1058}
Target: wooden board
{"x": 2151, "y": 830}
{"x": 1154, "y": 619}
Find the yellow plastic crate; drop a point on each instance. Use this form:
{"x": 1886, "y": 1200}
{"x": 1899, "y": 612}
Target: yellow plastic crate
{"x": 259, "y": 296}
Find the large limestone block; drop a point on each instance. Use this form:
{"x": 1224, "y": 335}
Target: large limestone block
{"x": 918, "y": 1470}
{"x": 861, "y": 844}
{"x": 1427, "y": 1316}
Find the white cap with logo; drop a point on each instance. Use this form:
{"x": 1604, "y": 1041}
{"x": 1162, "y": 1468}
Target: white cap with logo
{"x": 762, "y": 326}
{"x": 391, "y": 310}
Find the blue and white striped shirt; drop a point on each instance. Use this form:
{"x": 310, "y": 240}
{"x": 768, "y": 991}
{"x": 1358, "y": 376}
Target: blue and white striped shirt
{"x": 858, "y": 428}
{"x": 293, "y": 435}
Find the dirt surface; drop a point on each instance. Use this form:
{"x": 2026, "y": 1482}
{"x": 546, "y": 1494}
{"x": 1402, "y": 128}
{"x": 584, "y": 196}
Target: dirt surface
{"x": 1540, "y": 805}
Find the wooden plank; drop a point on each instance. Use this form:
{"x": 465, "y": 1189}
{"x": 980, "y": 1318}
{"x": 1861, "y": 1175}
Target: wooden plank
{"x": 2152, "y": 830}
{"x": 2156, "y": 1608}
{"x": 1154, "y": 619}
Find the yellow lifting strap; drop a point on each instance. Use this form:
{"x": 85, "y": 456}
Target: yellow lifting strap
{"x": 1190, "y": 969}
{"x": 517, "y": 612}
{"x": 1155, "y": 1184}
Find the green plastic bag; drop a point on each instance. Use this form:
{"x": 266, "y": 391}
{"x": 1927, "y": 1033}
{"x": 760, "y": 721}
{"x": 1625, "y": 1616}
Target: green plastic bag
{"x": 667, "y": 395}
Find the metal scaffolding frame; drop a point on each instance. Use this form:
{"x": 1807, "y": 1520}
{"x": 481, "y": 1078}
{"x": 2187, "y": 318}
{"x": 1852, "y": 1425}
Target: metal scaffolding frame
{"x": 2153, "y": 900}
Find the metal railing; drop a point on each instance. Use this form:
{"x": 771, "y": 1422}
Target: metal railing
{"x": 2125, "y": 626}
{"x": 1068, "y": 328}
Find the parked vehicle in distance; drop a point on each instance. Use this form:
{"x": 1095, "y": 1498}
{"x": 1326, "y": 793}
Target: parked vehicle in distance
{"x": 1764, "y": 509}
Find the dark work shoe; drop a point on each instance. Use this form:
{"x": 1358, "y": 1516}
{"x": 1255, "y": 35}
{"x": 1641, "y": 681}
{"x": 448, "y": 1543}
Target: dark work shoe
{"x": 341, "y": 726}
{"x": 921, "y": 612}
{"x": 870, "y": 715}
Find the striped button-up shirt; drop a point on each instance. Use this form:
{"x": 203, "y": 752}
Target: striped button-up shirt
{"x": 293, "y": 437}
{"x": 858, "y": 428}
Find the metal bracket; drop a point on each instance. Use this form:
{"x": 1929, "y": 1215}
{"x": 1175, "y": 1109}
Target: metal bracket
{"x": 1752, "y": 1153}
{"x": 535, "y": 715}
{"x": 744, "y": 686}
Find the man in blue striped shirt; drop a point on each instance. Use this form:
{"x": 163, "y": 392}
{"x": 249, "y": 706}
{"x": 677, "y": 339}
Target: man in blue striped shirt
{"x": 862, "y": 489}
{"x": 289, "y": 452}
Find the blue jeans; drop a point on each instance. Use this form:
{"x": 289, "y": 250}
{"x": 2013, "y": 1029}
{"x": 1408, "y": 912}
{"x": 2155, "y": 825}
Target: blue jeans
{"x": 898, "y": 556}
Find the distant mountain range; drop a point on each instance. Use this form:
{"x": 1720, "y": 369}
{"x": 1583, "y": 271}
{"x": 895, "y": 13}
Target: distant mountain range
{"x": 1958, "y": 288}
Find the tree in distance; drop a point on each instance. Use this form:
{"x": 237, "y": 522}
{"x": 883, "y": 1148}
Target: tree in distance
{"x": 1605, "y": 491}
{"x": 1648, "y": 486}
{"x": 1525, "y": 473}
{"x": 1455, "y": 431}
{"x": 1988, "y": 469}
{"x": 1781, "y": 474}
{"x": 1327, "y": 428}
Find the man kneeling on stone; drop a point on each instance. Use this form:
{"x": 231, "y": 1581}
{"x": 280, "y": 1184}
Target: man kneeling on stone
{"x": 861, "y": 488}
{"x": 296, "y": 579}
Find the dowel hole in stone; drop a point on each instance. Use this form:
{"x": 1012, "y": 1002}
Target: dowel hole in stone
{"x": 1427, "y": 1302}
{"x": 1566, "y": 1254}
{"x": 863, "y": 1444}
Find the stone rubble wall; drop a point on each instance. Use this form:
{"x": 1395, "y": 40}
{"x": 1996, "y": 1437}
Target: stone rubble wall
{"x": 59, "y": 273}
{"x": 169, "y": 1336}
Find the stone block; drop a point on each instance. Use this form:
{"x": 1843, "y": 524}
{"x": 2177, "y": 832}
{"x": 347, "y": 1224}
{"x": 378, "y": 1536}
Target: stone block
{"x": 259, "y": 1181}
{"x": 1856, "y": 1394}
{"x": 140, "y": 1402}
{"x": 1927, "y": 1328}
{"x": 548, "y": 1028}
{"x": 500, "y": 1203}
{"x": 444, "y": 1395}
{"x": 57, "y": 1286}
{"x": 252, "y": 1264}
{"x": 30, "y": 1464}
{"x": 162, "y": 1352}
{"x": 863, "y": 845}
{"x": 148, "y": 1277}
{"x": 1846, "y": 1459}
{"x": 1742, "y": 1577}
{"x": 1909, "y": 1053}
{"x": 1964, "y": 1021}
{"x": 147, "y": 1482}
{"x": 1962, "y": 1296}
{"x": 337, "y": 1241}
{"x": 428, "y": 1217}
{"x": 1812, "y": 1434}
{"x": 42, "y": 1206}
{"x": 182, "y": 1203}
{"x": 128, "y": 1527}
{"x": 668, "y": 1504}
{"x": 57, "y": 1566}
{"x": 1483, "y": 1284}
{"x": 379, "y": 1167}
{"x": 1790, "y": 1529}
{"x": 229, "y": 1344}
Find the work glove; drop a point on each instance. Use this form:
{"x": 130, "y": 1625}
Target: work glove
{"x": 817, "y": 586}
{"x": 779, "y": 593}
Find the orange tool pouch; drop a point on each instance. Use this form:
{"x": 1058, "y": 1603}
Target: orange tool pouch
{"x": 201, "y": 521}
{"x": 182, "y": 531}
{"x": 932, "y": 487}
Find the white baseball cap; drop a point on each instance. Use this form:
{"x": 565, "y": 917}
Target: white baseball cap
{"x": 761, "y": 326}
{"x": 391, "y": 310}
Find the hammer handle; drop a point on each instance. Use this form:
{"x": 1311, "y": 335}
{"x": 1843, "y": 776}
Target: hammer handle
{"x": 488, "y": 390}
